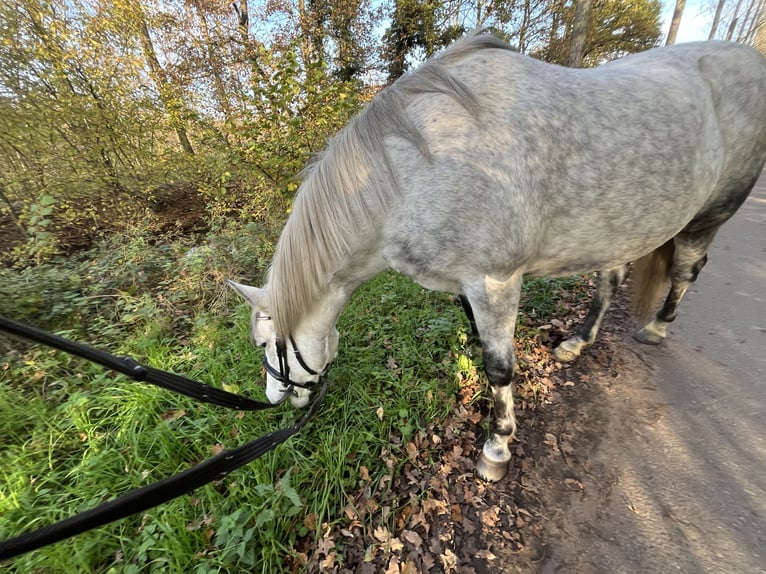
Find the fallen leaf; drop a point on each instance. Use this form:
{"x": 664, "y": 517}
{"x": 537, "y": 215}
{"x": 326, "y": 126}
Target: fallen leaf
{"x": 412, "y": 537}
{"x": 485, "y": 554}
{"x": 170, "y": 416}
{"x": 448, "y": 560}
{"x": 381, "y": 534}
{"x": 552, "y": 441}
{"x": 328, "y": 562}
{"x": 428, "y": 562}
{"x": 393, "y": 566}
{"x": 310, "y": 521}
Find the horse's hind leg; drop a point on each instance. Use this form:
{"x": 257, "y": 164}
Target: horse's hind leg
{"x": 495, "y": 307}
{"x": 689, "y": 257}
{"x": 608, "y": 282}
{"x": 469, "y": 314}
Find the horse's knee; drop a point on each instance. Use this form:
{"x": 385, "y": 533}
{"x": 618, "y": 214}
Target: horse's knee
{"x": 499, "y": 371}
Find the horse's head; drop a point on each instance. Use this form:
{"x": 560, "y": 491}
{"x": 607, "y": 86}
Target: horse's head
{"x": 293, "y": 366}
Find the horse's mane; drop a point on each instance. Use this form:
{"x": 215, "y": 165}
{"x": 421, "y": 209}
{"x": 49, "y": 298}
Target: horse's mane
{"x": 353, "y": 182}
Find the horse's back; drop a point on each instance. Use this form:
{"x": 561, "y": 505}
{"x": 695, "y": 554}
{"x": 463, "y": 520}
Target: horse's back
{"x": 736, "y": 77}
{"x": 568, "y": 170}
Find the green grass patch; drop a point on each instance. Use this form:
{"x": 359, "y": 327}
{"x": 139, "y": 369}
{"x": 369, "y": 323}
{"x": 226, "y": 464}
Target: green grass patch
{"x": 72, "y": 436}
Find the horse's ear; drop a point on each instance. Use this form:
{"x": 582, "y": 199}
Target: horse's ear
{"x": 255, "y": 296}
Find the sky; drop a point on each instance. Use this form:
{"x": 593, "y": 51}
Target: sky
{"x": 695, "y": 24}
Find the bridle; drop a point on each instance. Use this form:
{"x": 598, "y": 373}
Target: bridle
{"x": 281, "y": 373}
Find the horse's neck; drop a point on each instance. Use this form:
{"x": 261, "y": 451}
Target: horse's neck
{"x": 324, "y": 313}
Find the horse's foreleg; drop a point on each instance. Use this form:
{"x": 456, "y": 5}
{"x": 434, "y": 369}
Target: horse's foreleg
{"x": 689, "y": 259}
{"x": 495, "y": 306}
{"x": 608, "y": 282}
{"x": 496, "y": 454}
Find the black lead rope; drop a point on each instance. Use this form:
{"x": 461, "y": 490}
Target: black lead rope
{"x": 135, "y": 370}
{"x": 169, "y": 488}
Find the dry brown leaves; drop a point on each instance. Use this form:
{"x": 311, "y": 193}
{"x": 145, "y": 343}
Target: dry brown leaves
{"x": 430, "y": 513}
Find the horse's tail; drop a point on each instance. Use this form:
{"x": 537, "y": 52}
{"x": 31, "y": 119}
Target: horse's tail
{"x": 649, "y": 279}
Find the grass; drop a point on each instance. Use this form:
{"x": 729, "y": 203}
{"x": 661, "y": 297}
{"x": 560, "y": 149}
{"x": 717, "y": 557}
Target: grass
{"x": 72, "y": 435}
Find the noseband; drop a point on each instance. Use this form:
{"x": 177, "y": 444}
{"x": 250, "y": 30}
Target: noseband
{"x": 282, "y": 374}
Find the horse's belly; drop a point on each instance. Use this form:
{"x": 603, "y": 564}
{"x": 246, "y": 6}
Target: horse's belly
{"x": 596, "y": 247}
{"x": 423, "y": 276}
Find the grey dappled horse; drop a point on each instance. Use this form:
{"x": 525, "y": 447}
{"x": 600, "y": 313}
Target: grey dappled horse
{"x": 484, "y": 165}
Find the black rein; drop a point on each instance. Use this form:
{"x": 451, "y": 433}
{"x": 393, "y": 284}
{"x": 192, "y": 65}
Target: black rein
{"x": 179, "y": 484}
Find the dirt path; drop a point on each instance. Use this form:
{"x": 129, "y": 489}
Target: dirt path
{"x": 665, "y": 467}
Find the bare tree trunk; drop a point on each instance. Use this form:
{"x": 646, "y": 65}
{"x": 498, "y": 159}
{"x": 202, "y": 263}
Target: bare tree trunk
{"x": 675, "y": 22}
{"x": 219, "y": 86}
{"x": 579, "y": 33}
{"x": 752, "y": 17}
{"x": 163, "y": 86}
{"x": 716, "y": 19}
{"x": 759, "y": 34}
{"x": 524, "y": 26}
{"x": 249, "y": 44}
{"x": 734, "y": 18}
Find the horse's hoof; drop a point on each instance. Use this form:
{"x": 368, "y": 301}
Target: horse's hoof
{"x": 563, "y": 355}
{"x": 647, "y": 337}
{"x": 490, "y": 470}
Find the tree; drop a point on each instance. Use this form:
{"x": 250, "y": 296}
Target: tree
{"x": 172, "y": 102}
{"x": 759, "y": 34}
{"x": 675, "y": 22}
{"x": 740, "y": 22}
{"x": 617, "y": 28}
{"x": 755, "y": 18}
{"x": 733, "y": 21}
{"x": 579, "y": 32}
{"x": 716, "y": 19}
{"x": 412, "y": 28}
